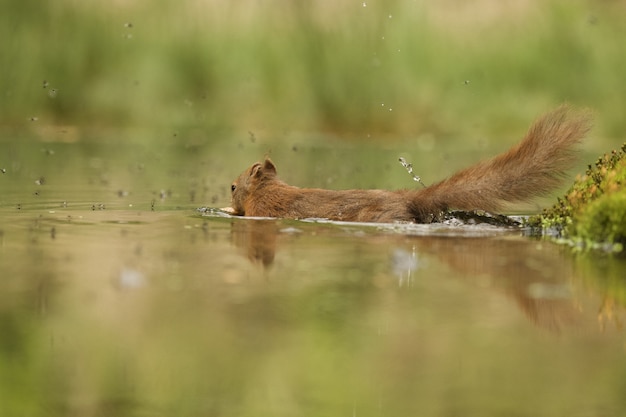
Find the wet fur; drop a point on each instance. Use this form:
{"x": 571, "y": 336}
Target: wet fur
{"x": 531, "y": 168}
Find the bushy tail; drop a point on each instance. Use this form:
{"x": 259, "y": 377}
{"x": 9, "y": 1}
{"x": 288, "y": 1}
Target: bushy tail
{"x": 533, "y": 167}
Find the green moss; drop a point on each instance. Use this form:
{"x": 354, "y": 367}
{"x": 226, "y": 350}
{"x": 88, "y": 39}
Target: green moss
{"x": 593, "y": 211}
{"x": 604, "y": 220}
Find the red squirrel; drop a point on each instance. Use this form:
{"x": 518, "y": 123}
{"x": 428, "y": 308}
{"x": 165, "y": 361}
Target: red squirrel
{"x": 531, "y": 168}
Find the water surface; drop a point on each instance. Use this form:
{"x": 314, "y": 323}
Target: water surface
{"x": 118, "y": 298}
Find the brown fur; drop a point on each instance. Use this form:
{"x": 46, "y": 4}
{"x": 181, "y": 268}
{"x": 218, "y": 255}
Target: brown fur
{"x": 531, "y": 168}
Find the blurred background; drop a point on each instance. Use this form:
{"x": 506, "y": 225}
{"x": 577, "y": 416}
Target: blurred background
{"x": 361, "y": 69}
{"x": 119, "y": 118}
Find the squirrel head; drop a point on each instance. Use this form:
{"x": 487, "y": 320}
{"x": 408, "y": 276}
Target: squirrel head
{"x": 249, "y": 181}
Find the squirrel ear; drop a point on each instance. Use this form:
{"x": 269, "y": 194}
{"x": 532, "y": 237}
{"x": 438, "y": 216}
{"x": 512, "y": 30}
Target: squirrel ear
{"x": 269, "y": 166}
{"x": 255, "y": 170}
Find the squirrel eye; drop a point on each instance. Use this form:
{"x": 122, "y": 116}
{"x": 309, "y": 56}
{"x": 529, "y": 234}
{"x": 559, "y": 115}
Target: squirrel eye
{"x": 233, "y": 187}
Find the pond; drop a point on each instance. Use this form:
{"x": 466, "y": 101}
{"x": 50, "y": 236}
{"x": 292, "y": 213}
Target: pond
{"x": 118, "y": 297}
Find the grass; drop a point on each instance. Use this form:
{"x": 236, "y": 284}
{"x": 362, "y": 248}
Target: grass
{"x": 383, "y": 68}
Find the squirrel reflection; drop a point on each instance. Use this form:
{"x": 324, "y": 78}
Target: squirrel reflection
{"x": 532, "y": 276}
{"x": 523, "y": 272}
{"x": 257, "y": 238}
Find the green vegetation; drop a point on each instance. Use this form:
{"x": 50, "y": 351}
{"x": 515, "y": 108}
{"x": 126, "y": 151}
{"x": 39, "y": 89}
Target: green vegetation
{"x": 349, "y": 67}
{"x": 593, "y": 211}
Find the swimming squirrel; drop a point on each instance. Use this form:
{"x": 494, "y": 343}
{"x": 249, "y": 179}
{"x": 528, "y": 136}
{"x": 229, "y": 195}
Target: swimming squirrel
{"x": 531, "y": 168}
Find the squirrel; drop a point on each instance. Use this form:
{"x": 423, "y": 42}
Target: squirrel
{"x": 531, "y": 168}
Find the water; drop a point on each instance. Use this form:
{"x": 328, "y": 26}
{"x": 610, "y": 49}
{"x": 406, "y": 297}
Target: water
{"x": 118, "y": 298}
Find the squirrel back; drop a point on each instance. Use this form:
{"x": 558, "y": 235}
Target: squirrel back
{"x": 531, "y": 168}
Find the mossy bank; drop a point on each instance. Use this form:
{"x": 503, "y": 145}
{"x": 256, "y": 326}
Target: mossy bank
{"x": 593, "y": 211}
